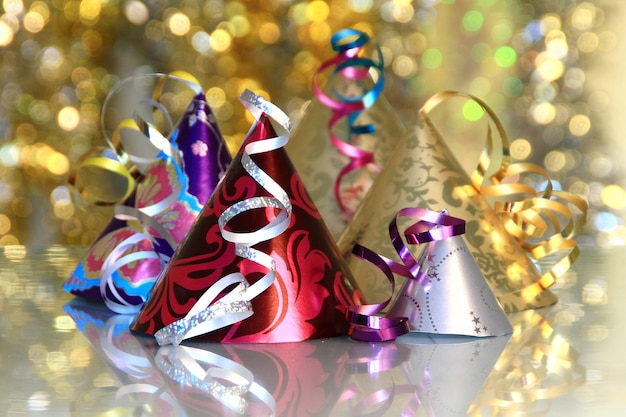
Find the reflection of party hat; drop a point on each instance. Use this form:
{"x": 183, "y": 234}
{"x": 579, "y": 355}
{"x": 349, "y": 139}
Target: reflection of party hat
{"x": 450, "y": 371}
{"x": 288, "y": 379}
{"x": 452, "y": 297}
{"x": 321, "y": 158}
{"x": 537, "y": 366}
{"x": 123, "y": 262}
{"x": 309, "y": 378}
{"x": 423, "y": 173}
{"x": 138, "y": 385}
{"x": 302, "y": 295}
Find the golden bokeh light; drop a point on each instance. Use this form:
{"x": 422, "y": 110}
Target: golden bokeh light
{"x": 555, "y": 161}
{"x": 34, "y": 22}
{"x": 543, "y": 113}
{"x": 550, "y": 69}
{"x": 89, "y": 10}
{"x": 269, "y": 33}
{"x": 179, "y": 24}
{"x": 579, "y": 125}
{"x": 14, "y": 7}
{"x": 536, "y": 69}
{"x": 614, "y": 196}
{"x": 317, "y": 11}
{"x": 220, "y": 40}
{"x": 520, "y": 149}
{"x": 68, "y": 118}
{"x": 5, "y": 224}
{"x": 6, "y": 34}
{"x": 136, "y": 12}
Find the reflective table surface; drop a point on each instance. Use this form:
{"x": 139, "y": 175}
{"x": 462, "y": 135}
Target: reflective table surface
{"x": 64, "y": 357}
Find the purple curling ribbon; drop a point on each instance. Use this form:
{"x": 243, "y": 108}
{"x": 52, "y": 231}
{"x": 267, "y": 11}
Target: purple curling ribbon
{"x": 365, "y": 324}
{"x": 348, "y": 43}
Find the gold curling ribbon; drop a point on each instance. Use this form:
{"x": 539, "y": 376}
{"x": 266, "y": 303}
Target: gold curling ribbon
{"x": 537, "y": 364}
{"x": 544, "y": 222}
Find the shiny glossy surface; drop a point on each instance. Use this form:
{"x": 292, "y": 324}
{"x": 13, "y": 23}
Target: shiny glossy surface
{"x": 63, "y": 357}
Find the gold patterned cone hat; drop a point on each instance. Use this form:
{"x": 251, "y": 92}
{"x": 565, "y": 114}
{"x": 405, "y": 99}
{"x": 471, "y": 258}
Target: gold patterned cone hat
{"x": 452, "y": 297}
{"x": 424, "y": 173}
{"x": 373, "y": 130}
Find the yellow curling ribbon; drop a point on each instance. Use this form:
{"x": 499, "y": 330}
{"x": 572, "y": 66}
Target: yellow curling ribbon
{"x": 115, "y": 177}
{"x": 134, "y": 144}
{"x": 544, "y": 221}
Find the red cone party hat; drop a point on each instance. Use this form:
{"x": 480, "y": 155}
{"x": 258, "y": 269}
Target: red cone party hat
{"x": 260, "y": 241}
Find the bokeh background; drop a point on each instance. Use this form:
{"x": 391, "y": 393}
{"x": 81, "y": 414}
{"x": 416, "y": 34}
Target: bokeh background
{"x": 551, "y": 69}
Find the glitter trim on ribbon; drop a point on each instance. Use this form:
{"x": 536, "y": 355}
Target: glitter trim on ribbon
{"x": 207, "y": 314}
{"x": 348, "y": 43}
{"x": 430, "y": 226}
{"x": 183, "y": 365}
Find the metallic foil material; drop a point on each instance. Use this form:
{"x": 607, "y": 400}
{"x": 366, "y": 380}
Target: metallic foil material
{"x": 311, "y": 284}
{"x": 123, "y": 262}
{"x": 452, "y": 297}
{"x": 423, "y": 172}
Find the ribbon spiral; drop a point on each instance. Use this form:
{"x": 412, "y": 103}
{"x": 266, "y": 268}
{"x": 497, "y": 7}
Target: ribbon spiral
{"x": 431, "y": 226}
{"x": 142, "y": 143}
{"x": 542, "y": 219}
{"x": 183, "y": 365}
{"x": 207, "y": 314}
{"x": 348, "y": 43}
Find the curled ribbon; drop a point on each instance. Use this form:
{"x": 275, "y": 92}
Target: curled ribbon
{"x": 133, "y": 145}
{"x": 133, "y": 134}
{"x": 137, "y": 366}
{"x": 348, "y": 43}
{"x": 182, "y": 364}
{"x": 542, "y": 220}
{"x": 210, "y": 313}
{"x": 431, "y": 226}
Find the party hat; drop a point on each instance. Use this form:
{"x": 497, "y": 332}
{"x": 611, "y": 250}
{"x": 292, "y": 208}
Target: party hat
{"x": 121, "y": 265}
{"x": 452, "y": 297}
{"x": 423, "y": 172}
{"x": 302, "y": 295}
{"x": 346, "y": 133}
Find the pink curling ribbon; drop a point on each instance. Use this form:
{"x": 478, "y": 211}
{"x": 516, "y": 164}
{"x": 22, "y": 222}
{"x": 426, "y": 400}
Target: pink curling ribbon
{"x": 349, "y": 43}
{"x": 431, "y": 226}
{"x": 210, "y": 313}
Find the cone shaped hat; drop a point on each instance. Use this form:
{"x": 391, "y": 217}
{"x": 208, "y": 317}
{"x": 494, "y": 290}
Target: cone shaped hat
{"x": 452, "y": 297}
{"x": 423, "y": 172}
{"x": 319, "y": 161}
{"x": 311, "y": 282}
{"x": 167, "y": 198}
